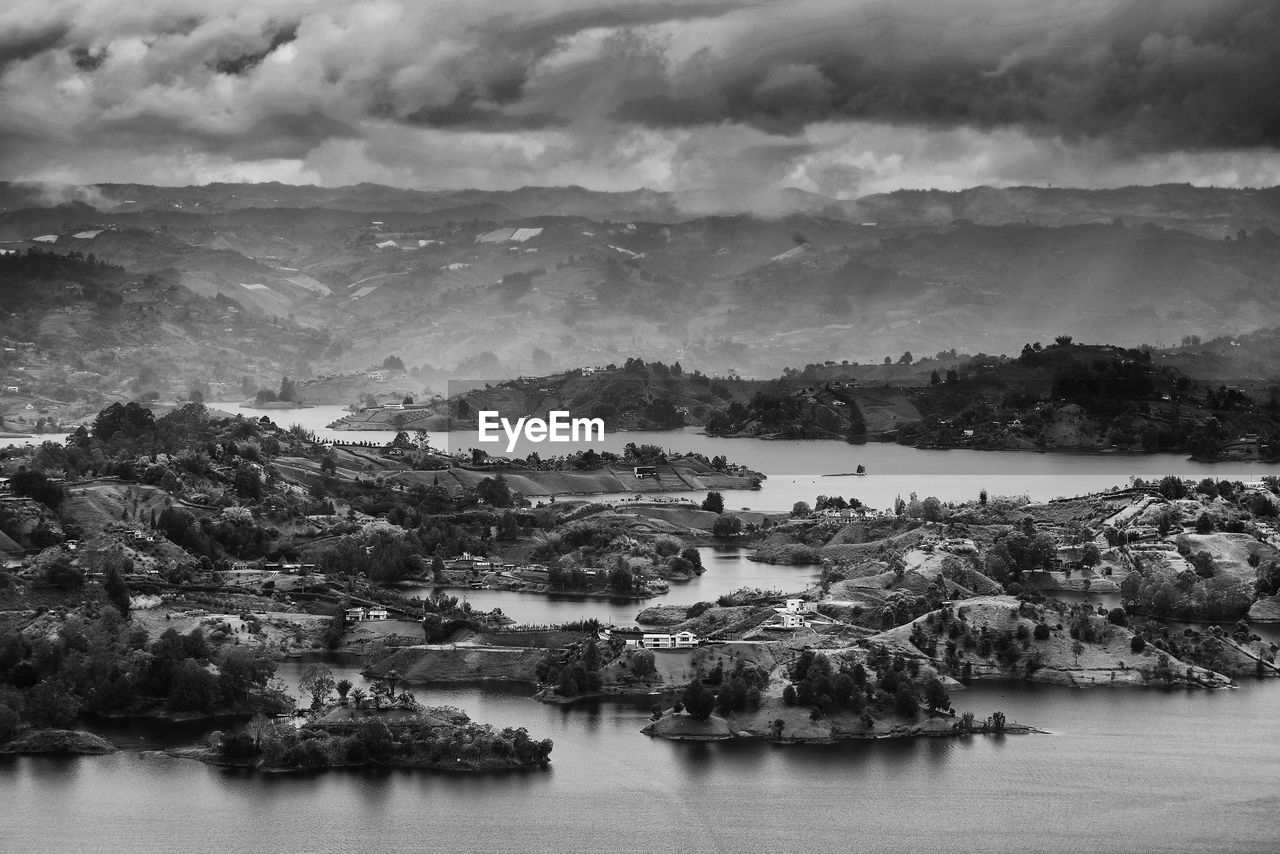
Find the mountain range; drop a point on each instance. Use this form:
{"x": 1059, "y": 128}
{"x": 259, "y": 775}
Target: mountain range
{"x": 488, "y": 285}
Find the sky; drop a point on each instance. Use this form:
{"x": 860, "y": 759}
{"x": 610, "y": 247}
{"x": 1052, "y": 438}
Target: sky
{"x": 737, "y": 98}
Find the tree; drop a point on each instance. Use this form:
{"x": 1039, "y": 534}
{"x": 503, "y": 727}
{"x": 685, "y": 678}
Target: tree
{"x": 621, "y": 579}
{"x": 192, "y": 688}
{"x": 329, "y": 463}
{"x": 1076, "y": 649}
{"x": 936, "y": 696}
{"x": 800, "y": 509}
{"x": 1090, "y": 556}
{"x": 904, "y": 700}
{"x": 495, "y": 492}
{"x": 8, "y": 723}
{"x": 714, "y": 502}
{"x": 1203, "y": 564}
{"x": 318, "y": 681}
{"x": 62, "y": 574}
{"x": 247, "y": 482}
{"x": 698, "y": 700}
{"x": 905, "y": 358}
{"x": 343, "y": 687}
{"x": 34, "y": 485}
{"x": 935, "y": 379}
{"x": 336, "y": 629}
{"x": 726, "y": 526}
{"x": 931, "y": 509}
{"x": 52, "y": 703}
{"x": 117, "y": 591}
{"x": 260, "y": 728}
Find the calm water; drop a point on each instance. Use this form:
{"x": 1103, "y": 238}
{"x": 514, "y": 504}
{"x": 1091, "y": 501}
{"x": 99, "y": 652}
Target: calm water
{"x": 728, "y": 569}
{"x": 801, "y": 471}
{"x": 1122, "y": 771}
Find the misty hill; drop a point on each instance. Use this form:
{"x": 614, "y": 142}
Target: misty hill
{"x": 79, "y": 332}
{"x": 1207, "y": 211}
{"x": 479, "y": 285}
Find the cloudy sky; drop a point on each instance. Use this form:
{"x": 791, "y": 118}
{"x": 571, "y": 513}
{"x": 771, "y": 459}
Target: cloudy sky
{"x": 843, "y": 97}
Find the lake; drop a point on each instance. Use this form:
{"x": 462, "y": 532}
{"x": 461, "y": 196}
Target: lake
{"x": 1126, "y": 770}
{"x": 803, "y": 470}
{"x": 727, "y": 569}
{"x": 1123, "y": 770}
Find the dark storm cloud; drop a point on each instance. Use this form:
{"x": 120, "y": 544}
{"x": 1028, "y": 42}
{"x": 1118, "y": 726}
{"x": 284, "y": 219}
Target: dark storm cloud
{"x": 23, "y": 41}
{"x": 1148, "y": 74}
{"x": 238, "y": 62}
{"x": 828, "y": 95}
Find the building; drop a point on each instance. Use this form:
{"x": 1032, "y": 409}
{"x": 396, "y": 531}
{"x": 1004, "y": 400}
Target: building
{"x": 361, "y": 615}
{"x": 792, "y": 621}
{"x": 656, "y": 640}
{"x": 797, "y": 606}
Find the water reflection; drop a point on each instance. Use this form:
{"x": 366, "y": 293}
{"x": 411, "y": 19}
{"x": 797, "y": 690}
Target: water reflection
{"x": 728, "y": 568}
{"x": 749, "y": 796}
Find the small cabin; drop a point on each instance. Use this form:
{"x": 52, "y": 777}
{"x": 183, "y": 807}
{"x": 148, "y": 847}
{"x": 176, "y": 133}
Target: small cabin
{"x": 645, "y": 471}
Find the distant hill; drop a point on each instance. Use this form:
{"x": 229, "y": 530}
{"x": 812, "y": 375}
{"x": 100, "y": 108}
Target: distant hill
{"x": 493, "y": 285}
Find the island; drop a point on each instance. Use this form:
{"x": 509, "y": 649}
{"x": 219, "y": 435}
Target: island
{"x": 161, "y": 568}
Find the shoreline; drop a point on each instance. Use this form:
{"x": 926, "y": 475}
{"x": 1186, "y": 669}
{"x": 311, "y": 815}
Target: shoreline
{"x": 206, "y": 756}
{"x": 828, "y": 730}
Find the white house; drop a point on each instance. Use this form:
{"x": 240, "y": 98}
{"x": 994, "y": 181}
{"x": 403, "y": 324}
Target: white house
{"x": 796, "y": 606}
{"x": 662, "y": 640}
{"x": 360, "y": 615}
{"x": 654, "y": 640}
{"x": 793, "y": 621}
